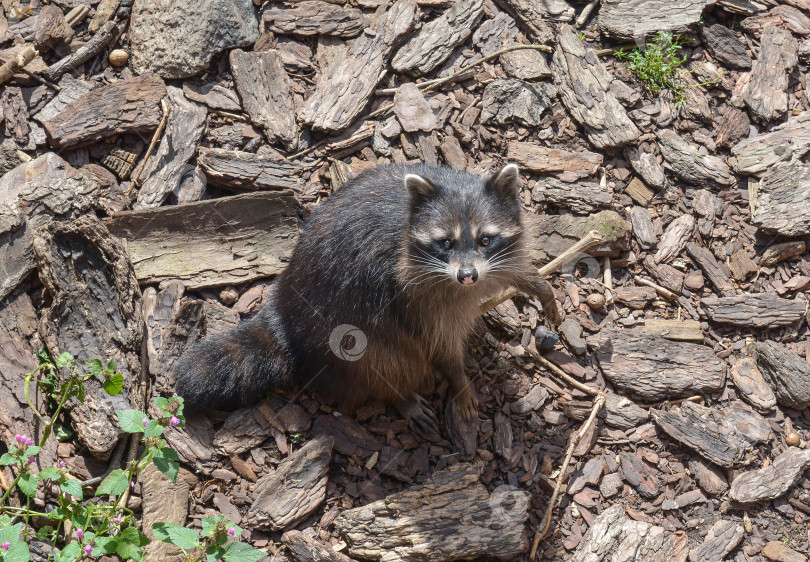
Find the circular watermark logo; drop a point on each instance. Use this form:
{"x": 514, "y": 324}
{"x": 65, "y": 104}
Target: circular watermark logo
{"x": 582, "y": 265}
{"x": 509, "y": 504}
{"x": 348, "y": 342}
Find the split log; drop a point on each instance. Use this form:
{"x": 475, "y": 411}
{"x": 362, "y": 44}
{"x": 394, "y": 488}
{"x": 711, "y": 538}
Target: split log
{"x": 95, "y": 313}
{"x": 726, "y": 46}
{"x": 675, "y": 238}
{"x": 306, "y": 549}
{"x": 568, "y": 166}
{"x": 654, "y": 369}
{"x": 707, "y": 431}
{"x": 722, "y": 538}
{"x": 759, "y": 310}
{"x": 211, "y": 243}
{"x": 675, "y": 330}
{"x": 643, "y": 228}
{"x": 785, "y": 142}
{"x": 548, "y": 236}
{"x": 582, "y": 197}
{"x": 450, "y": 516}
{"x": 766, "y": 92}
{"x": 267, "y": 94}
{"x": 584, "y": 85}
{"x": 313, "y": 17}
{"x": 706, "y": 261}
{"x": 638, "y": 19}
{"x": 348, "y": 82}
{"x": 772, "y": 481}
{"x": 782, "y": 200}
{"x": 295, "y": 489}
{"x": 166, "y": 168}
{"x": 245, "y": 171}
{"x": 127, "y": 106}
{"x": 752, "y": 386}
{"x": 787, "y": 374}
{"x": 615, "y": 532}
{"x": 690, "y": 165}
{"x": 434, "y": 43}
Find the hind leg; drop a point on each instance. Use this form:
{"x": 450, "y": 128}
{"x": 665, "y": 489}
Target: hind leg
{"x": 461, "y": 391}
{"x": 419, "y": 414}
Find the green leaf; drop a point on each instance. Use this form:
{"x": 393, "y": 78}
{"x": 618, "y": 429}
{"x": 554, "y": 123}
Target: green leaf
{"x": 72, "y": 487}
{"x": 70, "y": 553}
{"x": 176, "y": 535}
{"x": 153, "y": 429}
{"x": 133, "y": 535}
{"x": 44, "y": 533}
{"x": 7, "y": 459}
{"x": 111, "y": 365}
{"x": 131, "y": 420}
{"x": 80, "y": 392}
{"x": 113, "y": 384}
{"x": 64, "y": 360}
{"x": 28, "y": 484}
{"x": 214, "y": 552}
{"x": 242, "y": 552}
{"x": 17, "y": 552}
{"x": 161, "y": 402}
{"x": 165, "y": 458}
{"x": 50, "y": 473}
{"x": 209, "y": 525}
{"x": 62, "y": 432}
{"x": 11, "y": 533}
{"x": 114, "y": 484}
{"x": 128, "y": 551}
{"x": 32, "y": 451}
{"x": 105, "y": 545}
{"x": 95, "y": 366}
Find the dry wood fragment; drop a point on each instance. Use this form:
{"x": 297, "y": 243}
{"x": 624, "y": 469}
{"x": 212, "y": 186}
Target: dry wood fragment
{"x": 722, "y": 538}
{"x": 584, "y": 85}
{"x": 752, "y": 386}
{"x": 639, "y": 192}
{"x": 707, "y": 262}
{"x": 669, "y": 277}
{"x": 781, "y": 200}
{"x": 782, "y": 16}
{"x": 676, "y": 330}
{"x": 245, "y": 171}
{"x": 267, "y": 95}
{"x": 412, "y": 109}
{"x": 787, "y": 374}
{"x": 17, "y": 62}
{"x": 704, "y": 204}
{"x": 306, "y": 549}
{"x": 313, "y": 17}
{"x": 164, "y": 501}
{"x": 348, "y": 83}
{"x": 785, "y": 142}
{"x": 434, "y": 43}
{"x": 530, "y": 16}
{"x": 619, "y": 412}
{"x": 706, "y": 430}
{"x": 777, "y": 550}
{"x": 635, "y": 298}
{"x": 675, "y": 238}
{"x": 639, "y": 19}
{"x": 643, "y": 228}
{"x": 569, "y": 166}
{"x": 510, "y": 100}
{"x": 582, "y": 197}
{"x": 690, "y": 165}
{"x": 639, "y": 475}
{"x": 93, "y": 47}
{"x": 654, "y": 369}
{"x": 95, "y": 313}
{"x": 741, "y": 265}
{"x": 732, "y": 127}
{"x": 781, "y": 252}
{"x": 647, "y": 166}
{"x": 255, "y": 233}
{"x": 766, "y": 92}
{"x": 772, "y": 481}
{"x": 549, "y": 236}
{"x": 450, "y": 516}
{"x": 726, "y": 46}
{"x": 15, "y": 113}
{"x": 759, "y": 310}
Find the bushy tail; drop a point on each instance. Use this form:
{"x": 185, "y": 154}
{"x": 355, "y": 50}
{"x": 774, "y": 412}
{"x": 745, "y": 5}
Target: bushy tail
{"x": 235, "y": 368}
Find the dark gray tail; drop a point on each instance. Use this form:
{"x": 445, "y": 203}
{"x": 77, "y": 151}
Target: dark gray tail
{"x": 235, "y": 368}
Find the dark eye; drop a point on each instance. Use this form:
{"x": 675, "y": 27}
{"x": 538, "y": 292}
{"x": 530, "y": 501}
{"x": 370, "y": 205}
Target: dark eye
{"x": 486, "y": 240}
{"x": 447, "y": 244}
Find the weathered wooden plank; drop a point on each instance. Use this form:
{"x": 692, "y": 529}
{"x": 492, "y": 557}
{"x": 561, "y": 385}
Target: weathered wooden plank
{"x": 568, "y": 166}
{"x": 676, "y": 330}
{"x": 785, "y": 142}
{"x": 787, "y": 374}
{"x": 759, "y": 310}
{"x": 638, "y": 19}
{"x": 246, "y": 171}
{"x": 211, "y": 243}
{"x": 766, "y": 92}
{"x": 690, "y": 165}
{"x": 313, "y": 17}
{"x": 782, "y": 200}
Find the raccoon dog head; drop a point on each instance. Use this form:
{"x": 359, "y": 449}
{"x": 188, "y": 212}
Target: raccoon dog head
{"x": 463, "y": 229}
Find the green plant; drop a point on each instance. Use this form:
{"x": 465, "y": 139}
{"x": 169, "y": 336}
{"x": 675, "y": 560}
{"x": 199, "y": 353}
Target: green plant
{"x": 210, "y": 544}
{"x": 84, "y": 529}
{"x": 658, "y": 66}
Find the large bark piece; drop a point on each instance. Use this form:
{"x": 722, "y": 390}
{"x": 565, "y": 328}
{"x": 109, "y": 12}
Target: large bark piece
{"x": 164, "y": 501}
{"x": 313, "y": 17}
{"x": 782, "y": 200}
{"x": 266, "y": 93}
{"x": 295, "y": 489}
{"x": 306, "y": 549}
{"x": 766, "y": 92}
{"x": 772, "y": 481}
{"x": 434, "y": 43}
{"x": 675, "y": 238}
{"x": 787, "y": 374}
{"x": 245, "y": 171}
{"x": 211, "y": 243}
{"x": 568, "y": 166}
{"x": 726, "y": 46}
{"x": 759, "y": 310}
{"x": 509, "y": 100}
{"x": 166, "y": 168}
{"x": 531, "y": 17}
{"x": 707, "y": 262}
{"x": 654, "y": 369}
{"x": 582, "y": 197}
{"x": 127, "y": 106}
{"x": 690, "y": 165}
{"x": 752, "y": 386}
{"x": 548, "y": 236}
{"x": 348, "y": 82}
{"x": 788, "y": 141}
{"x": 732, "y": 127}
{"x": 95, "y": 313}
{"x": 584, "y": 85}
{"x": 615, "y": 536}
{"x": 722, "y": 538}
{"x": 450, "y": 517}
{"x": 639, "y": 19}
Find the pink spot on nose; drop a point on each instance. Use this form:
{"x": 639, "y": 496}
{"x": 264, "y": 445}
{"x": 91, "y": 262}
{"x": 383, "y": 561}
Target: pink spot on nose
{"x": 468, "y": 280}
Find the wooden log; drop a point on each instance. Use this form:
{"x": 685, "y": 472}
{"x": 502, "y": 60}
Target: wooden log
{"x": 766, "y": 92}
{"x": 568, "y": 166}
{"x": 434, "y": 43}
{"x": 127, "y": 106}
{"x": 653, "y": 369}
{"x": 295, "y": 489}
{"x": 785, "y": 142}
{"x": 690, "y": 165}
{"x": 722, "y": 538}
{"x": 584, "y": 85}
{"x": 638, "y": 19}
{"x": 707, "y": 431}
{"x": 706, "y": 261}
{"x": 267, "y": 95}
{"x": 450, "y": 516}
{"x": 675, "y": 238}
{"x": 781, "y": 200}
{"x": 759, "y": 310}
{"x": 582, "y": 197}
{"x": 787, "y": 374}
{"x": 259, "y": 231}
{"x": 752, "y": 386}
{"x": 306, "y": 549}
{"x": 245, "y": 171}
{"x": 313, "y": 17}
{"x": 675, "y": 330}
{"x": 348, "y": 82}
{"x": 726, "y": 46}
{"x": 772, "y": 481}
{"x": 95, "y": 313}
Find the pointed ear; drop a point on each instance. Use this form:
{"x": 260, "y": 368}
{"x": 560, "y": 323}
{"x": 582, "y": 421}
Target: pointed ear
{"x": 418, "y": 188}
{"x": 505, "y": 183}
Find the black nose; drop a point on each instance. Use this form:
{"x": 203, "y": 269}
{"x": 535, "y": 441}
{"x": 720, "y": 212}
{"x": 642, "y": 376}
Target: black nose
{"x": 467, "y": 275}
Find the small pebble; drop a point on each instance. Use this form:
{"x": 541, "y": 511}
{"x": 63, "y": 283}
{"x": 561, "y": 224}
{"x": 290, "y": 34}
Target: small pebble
{"x": 792, "y": 439}
{"x": 118, "y": 57}
{"x": 228, "y": 296}
{"x": 596, "y": 301}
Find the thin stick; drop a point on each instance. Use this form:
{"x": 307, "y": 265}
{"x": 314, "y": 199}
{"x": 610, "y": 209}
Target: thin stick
{"x": 586, "y": 13}
{"x": 545, "y": 525}
{"x": 562, "y": 374}
{"x": 35, "y": 76}
{"x": 608, "y": 280}
{"x": 88, "y": 50}
{"x": 17, "y": 62}
{"x": 167, "y": 110}
{"x": 666, "y": 293}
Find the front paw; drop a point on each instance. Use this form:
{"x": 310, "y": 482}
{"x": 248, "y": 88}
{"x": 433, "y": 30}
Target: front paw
{"x": 465, "y": 401}
{"x": 552, "y": 313}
